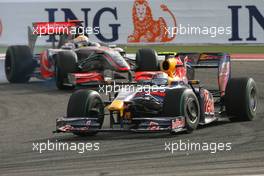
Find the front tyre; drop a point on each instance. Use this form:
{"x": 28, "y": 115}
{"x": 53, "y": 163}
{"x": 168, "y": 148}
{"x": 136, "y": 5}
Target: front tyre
{"x": 86, "y": 103}
{"x": 66, "y": 62}
{"x": 60, "y": 79}
{"x": 183, "y": 102}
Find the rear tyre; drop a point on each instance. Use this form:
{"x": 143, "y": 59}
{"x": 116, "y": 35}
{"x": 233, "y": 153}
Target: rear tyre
{"x": 86, "y": 103}
{"x": 19, "y": 64}
{"x": 183, "y": 102}
{"x": 241, "y": 99}
{"x": 146, "y": 60}
{"x": 66, "y": 62}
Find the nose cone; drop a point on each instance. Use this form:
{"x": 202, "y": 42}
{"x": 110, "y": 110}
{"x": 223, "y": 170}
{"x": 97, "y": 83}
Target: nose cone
{"x": 116, "y": 105}
{"x": 117, "y": 61}
{"x": 122, "y": 65}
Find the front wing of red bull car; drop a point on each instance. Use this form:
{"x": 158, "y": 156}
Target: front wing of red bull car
{"x": 161, "y": 106}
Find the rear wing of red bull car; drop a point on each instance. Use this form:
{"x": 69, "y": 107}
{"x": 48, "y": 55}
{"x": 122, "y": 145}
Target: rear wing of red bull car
{"x": 61, "y": 29}
{"x": 219, "y": 61}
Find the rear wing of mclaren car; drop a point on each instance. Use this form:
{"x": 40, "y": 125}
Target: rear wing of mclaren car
{"x": 219, "y": 61}
{"x": 61, "y": 29}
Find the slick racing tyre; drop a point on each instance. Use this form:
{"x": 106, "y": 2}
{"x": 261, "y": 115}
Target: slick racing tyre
{"x": 241, "y": 99}
{"x": 183, "y": 102}
{"x": 146, "y": 60}
{"x": 86, "y": 103}
{"x": 19, "y": 64}
{"x": 66, "y": 62}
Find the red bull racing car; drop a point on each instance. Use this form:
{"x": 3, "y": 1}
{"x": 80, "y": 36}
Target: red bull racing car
{"x": 163, "y": 99}
{"x": 75, "y": 61}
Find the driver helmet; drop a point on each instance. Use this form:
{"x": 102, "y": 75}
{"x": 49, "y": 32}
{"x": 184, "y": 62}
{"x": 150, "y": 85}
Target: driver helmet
{"x": 160, "y": 79}
{"x": 81, "y": 41}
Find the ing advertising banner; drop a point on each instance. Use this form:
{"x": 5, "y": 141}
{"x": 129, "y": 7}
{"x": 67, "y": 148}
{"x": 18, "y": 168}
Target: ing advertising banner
{"x": 140, "y": 21}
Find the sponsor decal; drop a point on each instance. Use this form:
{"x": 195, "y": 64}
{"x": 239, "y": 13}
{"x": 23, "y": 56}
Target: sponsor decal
{"x": 70, "y": 15}
{"x": 255, "y": 17}
{"x": 208, "y": 103}
{"x": 209, "y": 57}
{"x": 69, "y": 128}
{"x": 159, "y": 93}
{"x": 66, "y": 128}
{"x": 178, "y": 123}
{"x": 153, "y": 126}
{"x": 224, "y": 74}
{"x": 146, "y": 28}
{"x": 150, "y": 27}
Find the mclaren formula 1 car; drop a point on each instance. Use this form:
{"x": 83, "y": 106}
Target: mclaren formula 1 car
{"x": 163, "y": 99}
{"x": 75, "y": 61}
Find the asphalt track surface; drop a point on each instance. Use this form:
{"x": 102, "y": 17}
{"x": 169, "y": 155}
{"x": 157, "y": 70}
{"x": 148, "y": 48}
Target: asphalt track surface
{"x": 28, "y": 113}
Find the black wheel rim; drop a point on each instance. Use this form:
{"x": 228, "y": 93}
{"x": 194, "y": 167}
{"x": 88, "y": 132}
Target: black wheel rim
{"x": 192, "y": 110}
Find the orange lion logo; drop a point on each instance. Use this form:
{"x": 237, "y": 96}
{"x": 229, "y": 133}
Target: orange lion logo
{"x": 146, "y": 29}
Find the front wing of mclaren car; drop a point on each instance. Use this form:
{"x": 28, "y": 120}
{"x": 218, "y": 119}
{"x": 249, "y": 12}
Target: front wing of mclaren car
{"x": 142, "y": 124}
